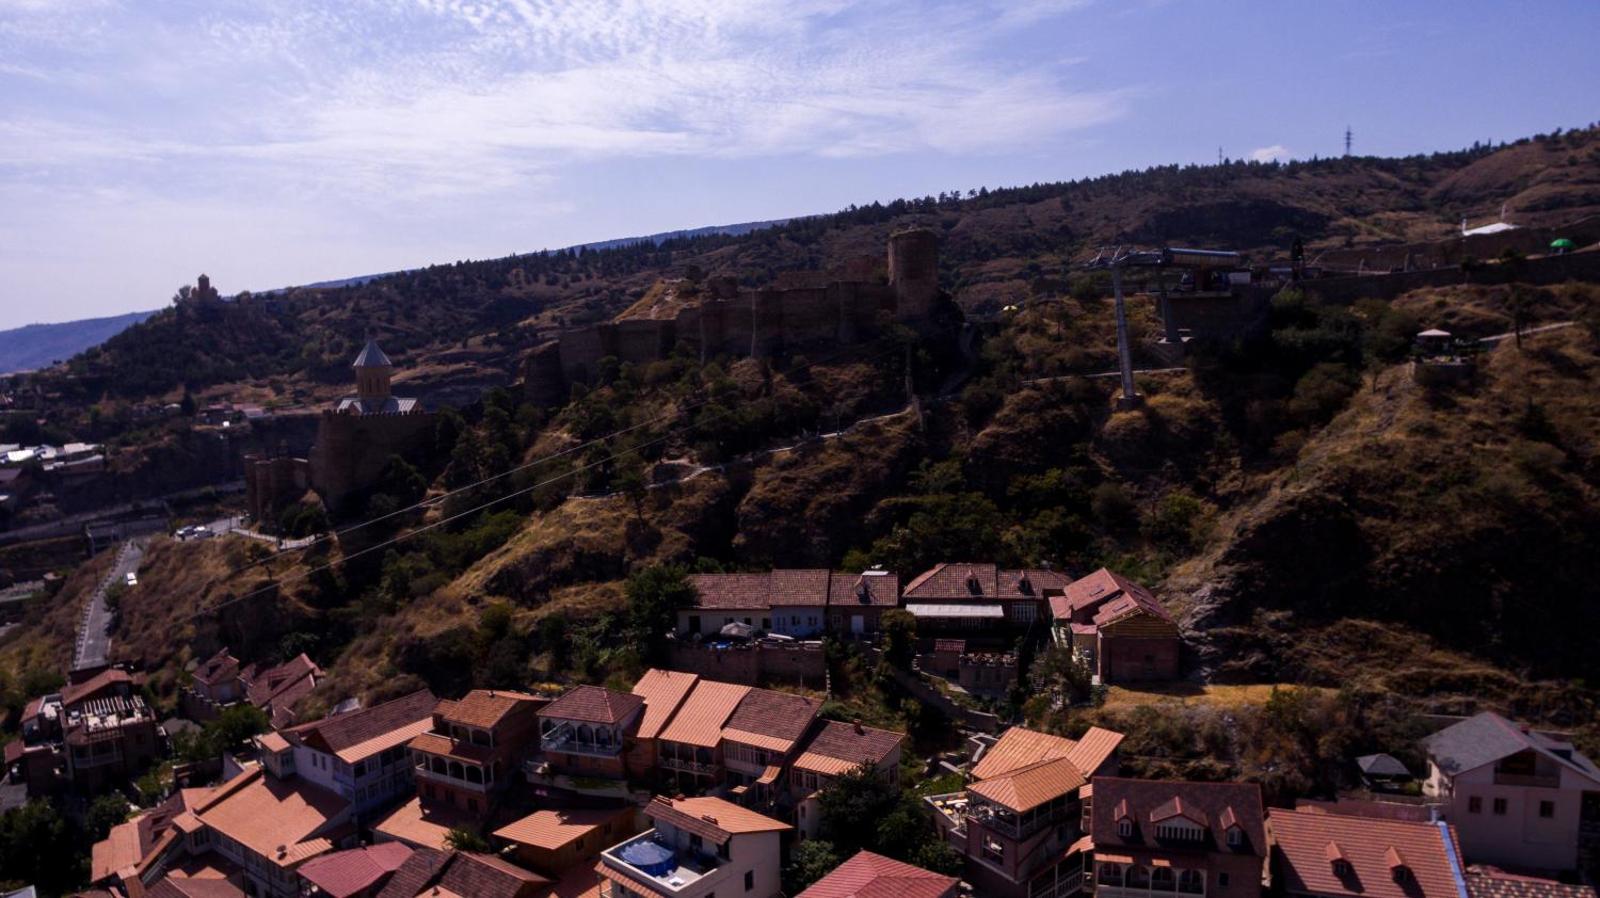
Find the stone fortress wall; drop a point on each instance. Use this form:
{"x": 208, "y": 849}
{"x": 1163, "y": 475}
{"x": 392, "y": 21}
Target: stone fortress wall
{"x": 743, "y": 322}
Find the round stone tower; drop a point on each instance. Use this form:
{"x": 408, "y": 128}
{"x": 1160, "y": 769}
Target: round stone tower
{"x": 914, "y": 273}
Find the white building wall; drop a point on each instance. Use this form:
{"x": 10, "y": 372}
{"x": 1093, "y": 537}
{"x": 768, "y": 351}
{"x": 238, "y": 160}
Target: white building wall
{"x": 1520, "y": 837}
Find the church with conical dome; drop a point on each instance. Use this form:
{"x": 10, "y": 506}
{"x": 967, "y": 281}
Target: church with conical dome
{"x": 355, "y": 440}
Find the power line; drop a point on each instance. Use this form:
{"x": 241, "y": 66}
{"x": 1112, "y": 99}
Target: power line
{"x": 272, "y": 584}
{"x": 430, "y": 501}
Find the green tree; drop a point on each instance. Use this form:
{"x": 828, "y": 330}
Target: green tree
{"x": 654, "y": 596}
{"x": 899, "y": 630}
{"x": 852, "y": 808}
{"x": 39, "y": 845}
{"x": 104, "y": 813}
{"x": 462, "y": 838}
{"x": 808, "y": 862}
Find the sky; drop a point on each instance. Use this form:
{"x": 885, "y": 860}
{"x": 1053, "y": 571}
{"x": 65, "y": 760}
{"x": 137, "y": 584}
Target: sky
{"x": 279, "y": 142}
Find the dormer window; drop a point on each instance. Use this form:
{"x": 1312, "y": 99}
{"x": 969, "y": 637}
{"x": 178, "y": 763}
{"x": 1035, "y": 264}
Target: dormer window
{"x": 1235, "y": 837}
{"x": 1402, "y": 875}
{"x": 1341, "y": 867}
{"x": 1125, "y": 828}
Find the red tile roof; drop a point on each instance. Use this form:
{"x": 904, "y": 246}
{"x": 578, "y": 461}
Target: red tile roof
{"x": 463, "y": 874}
{"x": 1490, "y": 882}
{"x": 699, "y": 720}
{"x": 962, "y": 582}
{"x": 849, "y": 743}
{"x": 868, "y": 875}
{"x": 100, "y": 682}
{"x": 788, "y": 588}
{"x": 485, "y": 708}
{"x": 1308, "y": 845}
{"x": 1140, "y": 800}
{"x": 219, "y": 668}
{"x": 364, "y": 733}
{"x": 1104, "y": 596}
{"x": 345, "y": 873}
{"x": 778, "y": 716}
{"x": 593, "y": 704}
{"x": 663, "y": 692}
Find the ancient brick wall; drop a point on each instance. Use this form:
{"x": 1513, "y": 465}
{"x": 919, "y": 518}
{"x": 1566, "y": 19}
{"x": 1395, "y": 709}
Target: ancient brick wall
{"x": 765, "y": 322}
{"x": 352, "y": 450}
{"x": 751, "y": 664}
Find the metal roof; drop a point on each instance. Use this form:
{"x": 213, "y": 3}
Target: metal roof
{"x": 949, "y": 610}
{"x": 372, "y": 357}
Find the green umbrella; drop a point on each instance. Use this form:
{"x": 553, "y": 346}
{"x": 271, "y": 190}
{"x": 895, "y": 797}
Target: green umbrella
{"x": 1562, "y": 243}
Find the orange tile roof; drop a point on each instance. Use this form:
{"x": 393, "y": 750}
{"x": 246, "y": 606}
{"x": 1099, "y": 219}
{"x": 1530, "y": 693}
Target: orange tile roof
{"x": 1092, "y": 750}
{"x": 1307, "y": 844}
{"x": 361, "y": 734}
{"x": 266, "y": 814}
{"x": 1019, "y": 747}
{"x": 485, "y": 708}
{"x": 551, "y": 829}
{"x": 120, "y": 849}
{"x": 711, "y": 818}
{"x": 663, "y": 692}
{"x": 273, "y": 742}
{"x": 868, "y": 875}
{"x": 699, "y": 720}
{"x": 101, "y": 681}
{"x": 1028, "y": 787}
{"x": 422, "y": 827}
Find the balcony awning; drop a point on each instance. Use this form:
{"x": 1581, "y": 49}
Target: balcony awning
{"x": 957, "y": 610}
{"x": 769, "y": 776}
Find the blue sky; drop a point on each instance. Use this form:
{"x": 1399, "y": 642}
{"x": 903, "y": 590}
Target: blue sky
{"x": 274, "y": 142}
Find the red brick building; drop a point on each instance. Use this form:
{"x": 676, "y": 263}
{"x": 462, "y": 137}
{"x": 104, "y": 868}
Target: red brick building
{"x": 1118, "y": 628}
{"x": 586, "y": 731}
{"x": 1191, "y": 839}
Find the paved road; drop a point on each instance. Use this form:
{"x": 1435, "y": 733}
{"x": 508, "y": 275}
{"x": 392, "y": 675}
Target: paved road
{"x": 94, "y": 631}
{"x": 1528, "y": 330}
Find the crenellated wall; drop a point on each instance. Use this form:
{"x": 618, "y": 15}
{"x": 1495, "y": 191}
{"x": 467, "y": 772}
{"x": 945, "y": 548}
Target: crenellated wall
{"x": 758, "y": 323}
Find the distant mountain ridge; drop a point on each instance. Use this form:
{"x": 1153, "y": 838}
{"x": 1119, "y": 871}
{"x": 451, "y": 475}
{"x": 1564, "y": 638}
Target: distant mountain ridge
{"x": 731, "y": 230}
{"x": 41, "y": 345}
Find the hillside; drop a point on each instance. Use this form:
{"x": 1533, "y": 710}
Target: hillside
{"x": 1452, "y": 527}
{"x": 36, "y": 346}
{"x": 467, "y": 324}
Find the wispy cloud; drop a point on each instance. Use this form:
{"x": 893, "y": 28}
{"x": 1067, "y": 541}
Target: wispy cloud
{"x": 435, "y": 96}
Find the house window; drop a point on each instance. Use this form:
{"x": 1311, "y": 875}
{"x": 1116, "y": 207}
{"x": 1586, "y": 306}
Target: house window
{"x": 1402, "y": 875}
{"x": 1500, "y": 806}
{"x": 695, "y": 842}
{"x": 993, "y": 850}
{"x": 1341, "y": 867}
{"x": 1475, "y": 805}
{"x": 1125, "y": 828}
{"x": 749, "y": 880}
{"x": 1547, "y": 809}
{"x": 1235, "y": 837}
{"x": 361, "y": 768}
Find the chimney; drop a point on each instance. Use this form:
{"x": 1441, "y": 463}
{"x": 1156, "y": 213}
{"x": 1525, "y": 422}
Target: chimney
{"x": 859, "y": 730}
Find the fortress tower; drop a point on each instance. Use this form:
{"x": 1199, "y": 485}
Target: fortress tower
{"x": 914, "y": 273}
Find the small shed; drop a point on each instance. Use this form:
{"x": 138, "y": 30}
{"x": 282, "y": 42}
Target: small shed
{"x": 1382, "y": 770}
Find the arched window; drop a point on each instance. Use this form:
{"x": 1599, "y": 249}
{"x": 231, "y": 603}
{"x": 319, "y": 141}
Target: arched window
{"x": 456, "y": 771}
{"x": 475, "y": 775}
{"x": 1191, "y": 881}
{"x": 440, "y": 767}
{"x": 602, "y": 736}
{"x": 1110, "y": 874}
{"x": 585, "y": 734}
{"x": 1162, "y": 879}
{"x": 1138, "y": 877}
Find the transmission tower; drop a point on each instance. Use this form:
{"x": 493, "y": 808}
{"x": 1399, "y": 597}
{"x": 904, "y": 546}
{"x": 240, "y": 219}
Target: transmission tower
{"x": 1347, "y": 135}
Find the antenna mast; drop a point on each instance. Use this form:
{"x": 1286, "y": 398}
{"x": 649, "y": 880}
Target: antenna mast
{"x": 1347, "y": 135}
